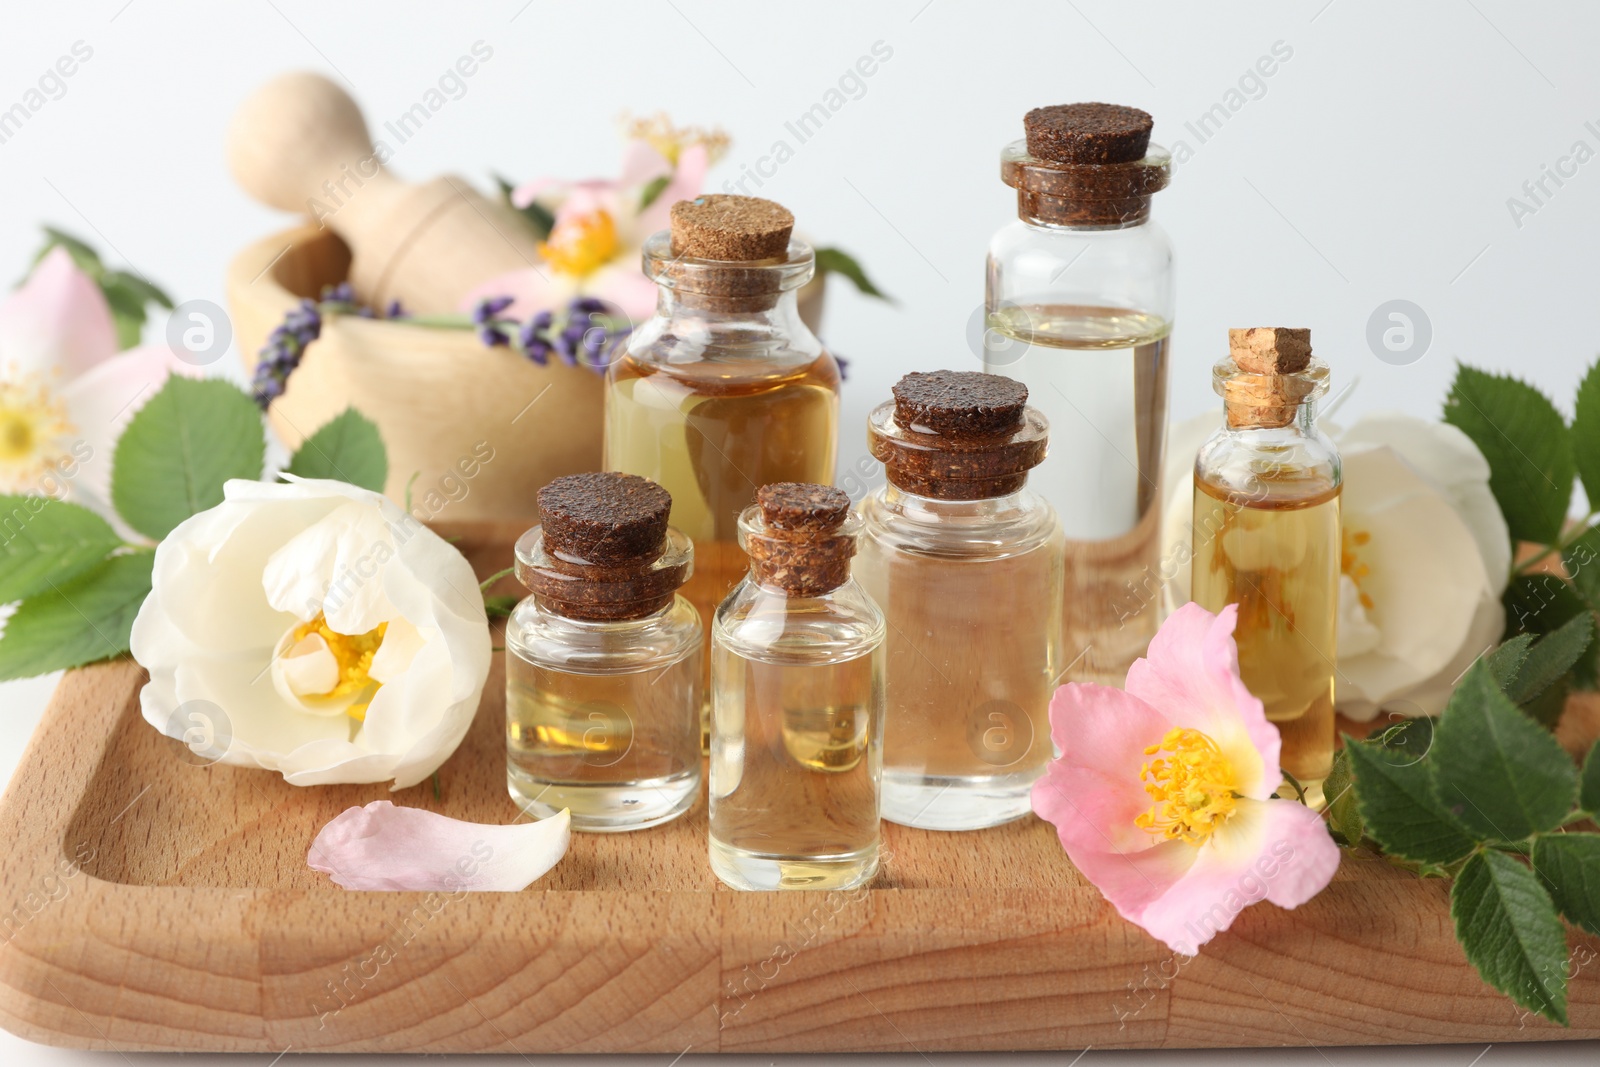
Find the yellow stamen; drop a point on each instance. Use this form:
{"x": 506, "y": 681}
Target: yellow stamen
{"x": 581, "y": 245}
{"x": 33, "y": 432}
{"x": 353, "y": 653}
{"x": 658, "y": 131}
{"x": 1193, "y": 788}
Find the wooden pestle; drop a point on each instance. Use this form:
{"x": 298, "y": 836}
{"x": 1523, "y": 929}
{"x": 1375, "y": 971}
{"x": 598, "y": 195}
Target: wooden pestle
{"x": 299, "y": 143}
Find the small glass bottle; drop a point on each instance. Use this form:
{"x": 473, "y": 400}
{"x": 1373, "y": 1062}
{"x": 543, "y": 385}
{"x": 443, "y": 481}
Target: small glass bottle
{"x": 603, "y": 672}
{"x": 966, "y": 563}
{"x": 1267, "y": 537}
{"x": 1079, "y": 303}
{"x": 797, "y": 702}
{"x": 723, "y": 389}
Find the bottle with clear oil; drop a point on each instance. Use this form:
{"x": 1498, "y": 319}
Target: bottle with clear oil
{"x": 797, "y": 702}
{"x": 1079, "y": 302}
{"x": 966, "y": 563}
{"x": 603, "y": 661}
{"x": 1267, "y": 538}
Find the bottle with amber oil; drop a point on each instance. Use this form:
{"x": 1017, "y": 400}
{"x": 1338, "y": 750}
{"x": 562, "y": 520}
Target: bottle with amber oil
{"x": 1266, "y": 537}
{"x": 797, "y": 702}
{"x": 603, "y": 661}
{"x": 1079, "y": 303}
{"x": 724, "y": 389}
{"x": 965, "y": 562}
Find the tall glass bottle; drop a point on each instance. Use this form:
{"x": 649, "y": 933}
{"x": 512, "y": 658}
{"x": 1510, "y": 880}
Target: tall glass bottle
{"x": 1267, "y": 537}
{"x": 966, "y": 563}
{"x": 797, "y": 704}
{"x": 724, "y": 389}
{"x": 1079, "y": 303}
{"x": 603, "y": 660}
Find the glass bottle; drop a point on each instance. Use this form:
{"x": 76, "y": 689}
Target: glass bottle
{"x": 1267, "y": 537}
{"x": 603, "y": 660}
{"x": 1079, "y": 304}
{"x": 797, "y": 702}
{"x": 724, "y": 388}
{"x": 966, "y": 563}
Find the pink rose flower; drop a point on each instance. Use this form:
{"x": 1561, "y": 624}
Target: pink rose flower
{"x": 1163, "y": 795}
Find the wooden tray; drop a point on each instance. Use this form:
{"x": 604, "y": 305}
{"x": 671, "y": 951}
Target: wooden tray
{"x": 195, "y": 924}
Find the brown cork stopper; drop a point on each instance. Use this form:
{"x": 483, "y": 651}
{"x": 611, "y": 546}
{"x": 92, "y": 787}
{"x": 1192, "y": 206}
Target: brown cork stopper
{"x": 730, "y": 228}
{"x": 958, "y": 435}
{"x": 604, "y": 518}
{"x": 1269, "y": 393}
{"x": 799, "y": 548}
{"x": 963, "y": 403}
{"x": 1270, "y": 349}
{"x": 1088, "y": 133}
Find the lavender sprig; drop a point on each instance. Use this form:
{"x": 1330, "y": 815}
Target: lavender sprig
{"x": 286, "y": 345}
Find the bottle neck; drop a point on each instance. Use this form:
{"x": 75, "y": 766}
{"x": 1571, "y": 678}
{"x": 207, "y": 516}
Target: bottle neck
{"x": 1054, "y": 213}
{"x": 1298, "y": 419}
{"x": 933, "y": 511}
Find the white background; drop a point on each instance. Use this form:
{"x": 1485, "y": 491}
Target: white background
{"x": 1376, "y": 165}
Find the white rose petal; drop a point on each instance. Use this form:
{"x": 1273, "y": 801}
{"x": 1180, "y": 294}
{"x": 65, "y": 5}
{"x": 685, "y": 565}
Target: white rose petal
{"x": 233, "y": 586}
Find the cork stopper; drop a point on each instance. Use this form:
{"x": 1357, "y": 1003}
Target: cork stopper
{"x": 1088, "y": 133}
{"x": 1268, "y": 391}
{"x": 735, "y": 229}
{"x": 966, "y": 403}
{"x": 604, "y": 518}
{"x": 604, "y": 551}
{"x": 799, "y": 537}
{"x": 958, "y": 435}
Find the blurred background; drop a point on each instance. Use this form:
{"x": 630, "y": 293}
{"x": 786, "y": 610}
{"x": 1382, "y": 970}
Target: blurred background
{"x": 1436, "y": 160}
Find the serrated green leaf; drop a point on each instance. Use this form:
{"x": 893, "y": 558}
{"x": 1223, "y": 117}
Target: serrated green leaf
{"x": 1409, "y": 737}
{"x": 347, "y": 448}
{"x": 1506, "y": 660}
{"x": 45, "y": 541}
{"x": 1502, "y": 775}
{"x": 653, "y": 189}
{"x": 1524, "y": 438}
{"x": 1589, "y": 786}
{"x": 77, "y": 622}
{"x": 1569, "y": 867}
{"x": 1550, "y": 658}
{"x": 1586, "y": 434}
{"x": 179, "y": 449}
{"x": 1541, "y": 604}
{"x": 1581, "y": 558}
{"x": 1394, "y": 791}
{"x": 1344, "y": 812}
{"x": 1508, "y": 927}
{"x": 838, "y": 261}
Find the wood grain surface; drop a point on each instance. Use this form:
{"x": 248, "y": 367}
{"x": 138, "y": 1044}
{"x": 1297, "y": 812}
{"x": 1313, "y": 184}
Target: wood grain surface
{"x": 155, "y": 904}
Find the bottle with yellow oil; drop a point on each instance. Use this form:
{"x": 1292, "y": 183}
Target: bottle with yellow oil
{"x": 1266, "y": 537}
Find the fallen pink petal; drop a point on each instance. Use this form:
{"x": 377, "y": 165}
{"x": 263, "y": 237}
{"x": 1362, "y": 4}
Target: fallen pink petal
{"x": 387, "y": 848}
{"x": 1163, "y": 796}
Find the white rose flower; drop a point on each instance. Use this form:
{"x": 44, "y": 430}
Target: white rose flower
{"x": 338, "y": 639}
{"x": 1426, "y": 557}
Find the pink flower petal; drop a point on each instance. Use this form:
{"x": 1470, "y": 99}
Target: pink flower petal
{"x": 382, "y": 847}
{"x": 687, "y": 179}
{"x": 622, "y": 284}
{"x": 641, "y": 164}
{"x": 1275, "y": 850}
{"x": 1191, "y": 674}
{"x": 57, "y": 318}
{"x": 528, "y": 192}
{"x": 532, "y": 289}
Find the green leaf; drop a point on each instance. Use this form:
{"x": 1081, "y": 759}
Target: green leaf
{"x": 1398, "y": 807}
{"x": 179, "y": 449}
{"x": 1526, "y": 442}
{"x": 538, "y": 216}
{"x": 1581, "y": 559}
{"x": 1550, "y": 658}
{"x": 1344, "y": 812}
{"x": 1541, "y": 604}
{"x": 1569, "y": 867}
{"x": 146, "y": 291}
{"x": 1586, "y": 434}
{"x": 837, "y": 261}
{"x": 77, "y": 622}
{"x": 1589, "y": 787}
{"x": 1501, "y": 774}
{"x": 1506, "y": 660}
{"x": 1509, "y": 929}
{"x": 127, "y": 312}
{"x": 653, "y": 189}
{"x": 45, "y": 542}
{"x": 347, "y": 448}
{"x": 84, "y": 256}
